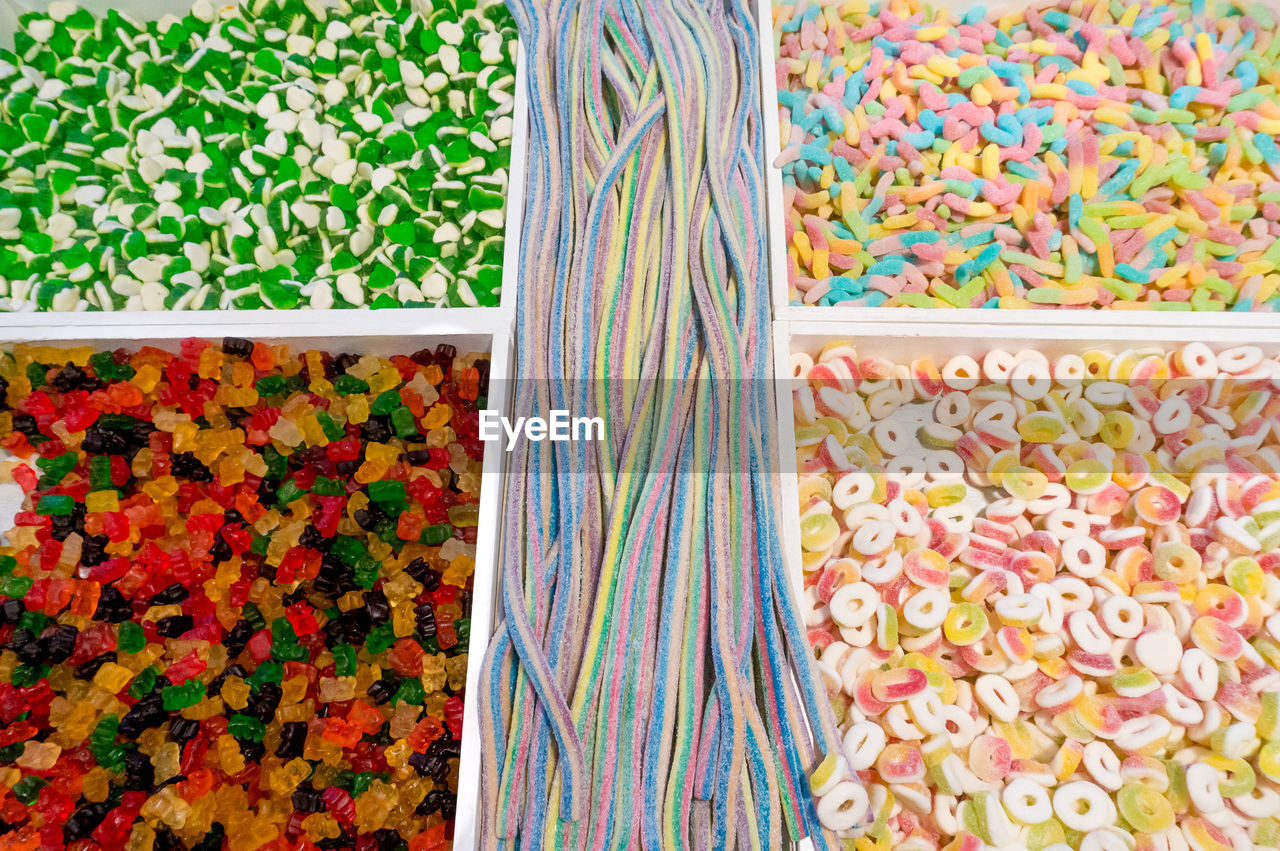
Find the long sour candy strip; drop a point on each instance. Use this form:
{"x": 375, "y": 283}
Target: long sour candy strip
{"x": 1075, "y": 154}
{"x": 641, "y": 691}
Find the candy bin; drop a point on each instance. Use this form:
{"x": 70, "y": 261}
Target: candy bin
{"x": 1089, "y": 157}
{"x": 244, "y": 582}
{"x": 1039, "y": 575}
{"x": 257, "y": 155}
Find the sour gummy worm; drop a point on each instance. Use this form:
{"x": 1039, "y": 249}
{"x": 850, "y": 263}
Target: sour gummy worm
{"x": 275, "y": 154}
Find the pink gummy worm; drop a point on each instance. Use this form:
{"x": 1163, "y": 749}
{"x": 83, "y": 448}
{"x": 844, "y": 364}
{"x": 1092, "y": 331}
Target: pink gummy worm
{"x": 955, "y": 202}
{"x": 933, "y": 98}
{"x": 875, "y": 63}
{"x": 1046, "y": 74}
{"x": 789, "y": 154}
{"x": 908, "y": 152}
{"x": 873, "y": 91}
{"x": 867, "y": 33}
{"x": 888, "y": 127}
{"x": 1126, "y": 247}
{"x": 1225, "y": 235}
{"x": 816, "y": 291}
{"x": 896, "y": 109}
{"x": 1038, "y": 240}
{"x": 914, "y": 276}
{"x": 1000, "y": 192}
{"x": 1120, "y": 47}
{"x": 1141, "y": 52}
{"x": 1207, "y": 209}
{"x": 814, "y": 229}
{"x": 930, "y": 251}
{"x": 1226, "y": 269}
{"x": 1075, "y": 150}
{"x": 1035, "y": 23}
{"x": 939, "y": 224}
{"x": 916, "y": 52}
{"x": 1028, "y": 275}
{"x": 1010, "y": 235}
{"x": 888, "y": 245}
{"x": 891, "y": 284}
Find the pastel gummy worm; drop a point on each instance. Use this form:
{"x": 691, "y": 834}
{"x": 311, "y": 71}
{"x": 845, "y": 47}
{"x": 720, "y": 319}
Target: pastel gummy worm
{"x": 264, "y": 154}
{"x": 1078, "y": 154}
{"x": 234, "y": 606}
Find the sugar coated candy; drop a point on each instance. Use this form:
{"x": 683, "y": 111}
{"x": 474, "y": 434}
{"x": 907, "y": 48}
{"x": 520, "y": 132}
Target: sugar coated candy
{"x": 1044, "y": 594}
{"x": 1071, "y": 154}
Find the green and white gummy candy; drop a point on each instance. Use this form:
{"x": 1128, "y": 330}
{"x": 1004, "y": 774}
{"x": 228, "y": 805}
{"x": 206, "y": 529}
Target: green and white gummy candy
{"x": 273, "y": 154}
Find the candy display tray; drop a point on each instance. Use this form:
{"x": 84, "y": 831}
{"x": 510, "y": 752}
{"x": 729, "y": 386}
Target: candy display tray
{"x": 384, "y": 333}
{"x": 400, "y": 330}
{"x": 10, "y": 10}
{"x": 1003, "y": 321}
{"x": 904, "y": 335}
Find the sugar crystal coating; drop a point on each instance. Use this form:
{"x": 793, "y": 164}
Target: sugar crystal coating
{"x": 1078, "y": 154}
{"x": 1044, "y": 594}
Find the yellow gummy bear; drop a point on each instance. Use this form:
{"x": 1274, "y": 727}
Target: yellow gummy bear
{"x": 235, "y": 692}
{"x": 112, "y": 677}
